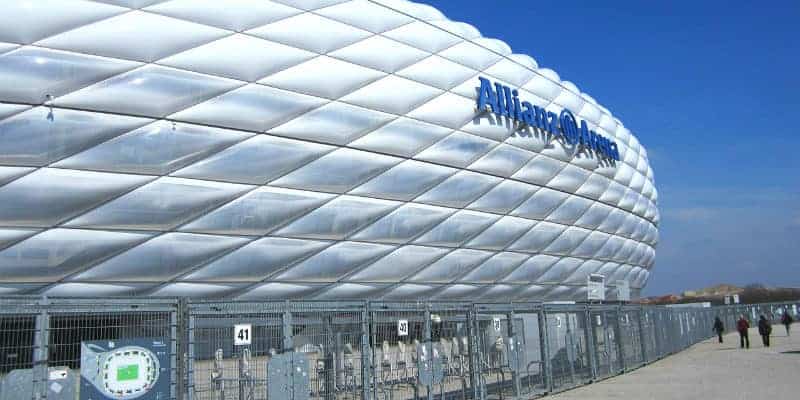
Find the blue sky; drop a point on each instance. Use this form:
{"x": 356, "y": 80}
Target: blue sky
{"x": 711, "y": 88}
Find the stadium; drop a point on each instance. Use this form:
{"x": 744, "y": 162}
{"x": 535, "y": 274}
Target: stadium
{"x": 321, "y": 150}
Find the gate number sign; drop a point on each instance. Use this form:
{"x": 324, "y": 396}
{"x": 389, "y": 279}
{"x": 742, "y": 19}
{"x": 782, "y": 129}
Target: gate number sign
{"x": 496, "y": 323}
{"x": 402, "y": 327}
{"x": 242, "y": 334}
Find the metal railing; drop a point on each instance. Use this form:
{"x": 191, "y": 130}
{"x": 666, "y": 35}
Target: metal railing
{"x": 64, "y": 348}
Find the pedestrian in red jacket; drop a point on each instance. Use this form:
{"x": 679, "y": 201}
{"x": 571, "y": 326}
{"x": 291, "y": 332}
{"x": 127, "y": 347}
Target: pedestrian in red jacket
{"x": 742, "y": 326}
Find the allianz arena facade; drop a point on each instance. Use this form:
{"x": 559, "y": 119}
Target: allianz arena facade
{"x": 315, "y": 149}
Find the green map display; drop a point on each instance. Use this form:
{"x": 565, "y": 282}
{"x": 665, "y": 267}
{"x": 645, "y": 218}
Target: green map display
{"x": 128, "y": 372}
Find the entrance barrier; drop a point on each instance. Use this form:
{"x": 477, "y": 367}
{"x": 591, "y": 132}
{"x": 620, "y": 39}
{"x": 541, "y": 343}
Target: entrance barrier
{"x": 60, "y": 348}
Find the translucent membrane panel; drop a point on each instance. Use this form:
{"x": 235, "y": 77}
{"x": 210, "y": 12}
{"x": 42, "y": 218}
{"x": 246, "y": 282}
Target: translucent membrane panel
{"x": 42, "y": 135}
{"x": 495, "y": 268}
{"x": 569, "y": 179}
{"x": 202, "y": 290}
{"x": 531, "y": 269}
{"x": 594, "y": 216}
{"x": 560, "y": 270}
{"x": 423, "y": 36}
{"x": 150, "y": 91}
{"x": 253, "y": 107}
{"x": 458, "y": 292}
{"x": 404, "y": 137}
{"x": 11, "y": 236}
{"x": 452, "y": 266}
{"x": 404, "y": 181}
{"x": 457, "y": 149}
{"x": 471, "y": 55}
{"x": 538, "y": 238}
{"x": 567, "y": 241}
{"x": 392, "y": 94}
{"x": 437, "y": 72}
{"x": 404, "y": 224}
{"x": 501, "y": 234}
{"x": 332, "y": 263}
{"x": 311, "y": 32}
{"x": 48, "y": 196}
{"x": 21, "y": 22}
{"x": 448, "y": 110}
{"x": 580, "y": 276}
{"x": 504, "y": 197}
{"x": 257, "y": 160}
{"x": 503, "y": 160}
{"x": 37, "y": 73}
{"x": 338, "y": 171}
{"x": 533, "y": 292}
{"x": 246, "y": 58}
{"x": 541, "y": 204}
{"x": 8, "y": 174}
{"x": 460, "y": 189}
{"x": 162, "y": 258}
{"x": 396, "y": 55}
{"x": 257, "y": 260}
{"x": 160, "y": 205}
{"x": 56, "y": 253}
{"x": 366, "y": 15}
{"x": 338, "y": 218}
{"x": 351, "y": 291}
{"x": 155, "y": 149}
{"x": 540, "y": 170}
{"x": 279, "y": 291}
{"x": 7, "y": 110}
{"x": 591, "y": 245}
{"x": 511, "y": 72}
{"x": 336, "y": 123}
{"x": 399, "y": 264}
{"x": 95, "y": 289}
{"x": 610, "y": 248}
{"x": 410, "y": 291}
{"x": 148, "y": 37}
{"x": 323, "y": 76}
{"x": 235, "y": 16}
{"x": 258, "y": 212}
{"x": 494, "y": 292}
{"x": 457, "y": 229}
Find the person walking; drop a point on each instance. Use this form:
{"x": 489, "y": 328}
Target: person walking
{"x": 764, "y": 329}
{"x": 742, "y": 326}
{"x": 786, "y": 320}
{"x": 718, "y": 328}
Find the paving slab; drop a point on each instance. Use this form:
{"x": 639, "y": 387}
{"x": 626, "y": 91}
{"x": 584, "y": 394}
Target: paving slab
{"x": 710, "y": 370}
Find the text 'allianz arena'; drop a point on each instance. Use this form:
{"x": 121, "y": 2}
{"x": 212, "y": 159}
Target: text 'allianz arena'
{"x": 314, "y": 149}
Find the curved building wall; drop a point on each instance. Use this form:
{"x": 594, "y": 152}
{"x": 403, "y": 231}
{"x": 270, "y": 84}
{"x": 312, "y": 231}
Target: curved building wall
{"x": 298, "y": 149}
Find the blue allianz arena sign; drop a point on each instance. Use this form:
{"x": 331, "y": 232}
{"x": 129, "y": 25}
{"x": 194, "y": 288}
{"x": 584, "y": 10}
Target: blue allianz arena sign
{"x": 503, "y": 101}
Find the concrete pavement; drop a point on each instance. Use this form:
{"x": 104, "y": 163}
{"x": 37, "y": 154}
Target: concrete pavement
{"x": 709, "y": 371}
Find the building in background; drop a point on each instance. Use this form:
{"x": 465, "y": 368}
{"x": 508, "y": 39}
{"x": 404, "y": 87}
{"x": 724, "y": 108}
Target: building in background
{"x": 304, "y": 149}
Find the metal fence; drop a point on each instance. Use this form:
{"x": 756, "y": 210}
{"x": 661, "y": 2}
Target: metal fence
{"x": 70, "y": 348}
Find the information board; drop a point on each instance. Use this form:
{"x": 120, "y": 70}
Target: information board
{"x": 125, "y": 369}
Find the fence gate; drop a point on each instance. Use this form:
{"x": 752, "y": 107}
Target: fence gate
{"x": 422, "y": 350}
{"x": 604, "y": 328}
{"x": 631, "y": 337}
{"x": 21, "y": 349}
{"x": 511, "y": 349}
{"x": 568, "y": 346}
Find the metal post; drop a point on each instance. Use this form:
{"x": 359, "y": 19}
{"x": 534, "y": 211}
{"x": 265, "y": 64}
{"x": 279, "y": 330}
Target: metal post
{"x": 190, "y": 386}
{"x": 41, "y": 351}
{"x": 641, "y": 336}
{"x": 590, "y": 343}
{"x": 474, "y": 357}
{"x": 174, "y": 360}
{"x": 366, "y": 352}
{"x": 513, "y": 345}
{"x": 330, "y": 369}
{"x": 543, "y": 338}
{"x": 618, "y": 336}
{"x": 427, "y": 342}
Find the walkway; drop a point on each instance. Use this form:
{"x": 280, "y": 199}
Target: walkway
{"x": 710, "y": 370}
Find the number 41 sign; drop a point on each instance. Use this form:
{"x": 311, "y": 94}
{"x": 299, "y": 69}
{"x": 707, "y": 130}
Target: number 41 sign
{"x": 242, "y": 335}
